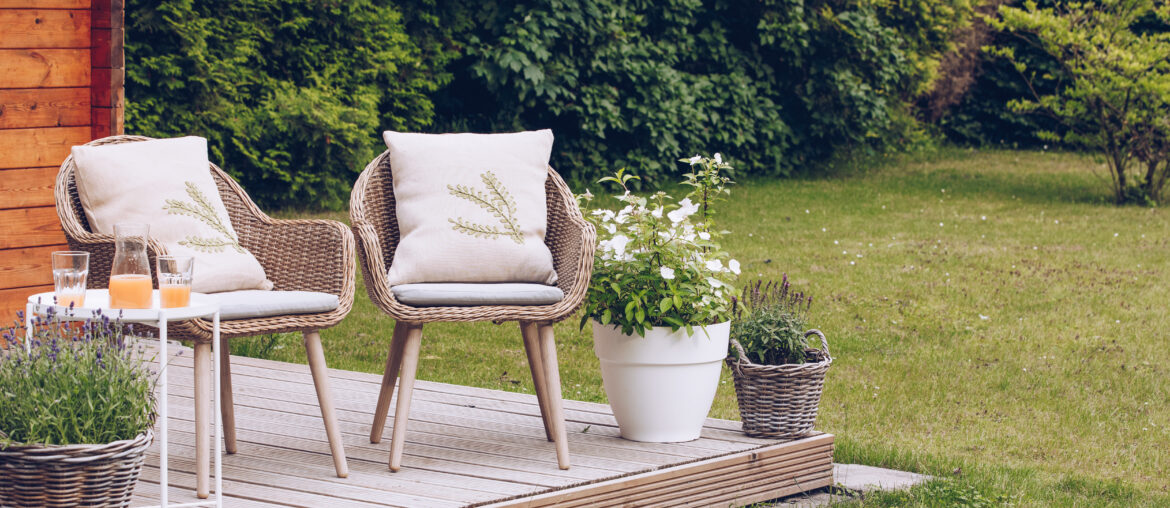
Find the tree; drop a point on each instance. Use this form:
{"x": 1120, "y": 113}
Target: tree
{"x": 1114, "y": 83}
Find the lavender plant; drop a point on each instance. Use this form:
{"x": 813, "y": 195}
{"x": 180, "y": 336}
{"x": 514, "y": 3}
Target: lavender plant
{"x": 77, "y": 384}
{"x": 770, "y": 321}
{"x": 659, "y": 262}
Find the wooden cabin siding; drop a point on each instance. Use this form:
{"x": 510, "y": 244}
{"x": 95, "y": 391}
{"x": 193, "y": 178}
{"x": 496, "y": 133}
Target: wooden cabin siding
{"x": 61, "y": 77}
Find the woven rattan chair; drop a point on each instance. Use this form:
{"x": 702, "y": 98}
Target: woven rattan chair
{"x": 297, "y": 255}
{"x": 571, "y": 240}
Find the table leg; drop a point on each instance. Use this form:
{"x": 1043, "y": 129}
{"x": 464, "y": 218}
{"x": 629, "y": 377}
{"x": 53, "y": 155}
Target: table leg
{"x": 202, "y": 419}
{"x": 162, "y": 409}
{"x": 28, "y": 331}
{"x": 215, "y": 345}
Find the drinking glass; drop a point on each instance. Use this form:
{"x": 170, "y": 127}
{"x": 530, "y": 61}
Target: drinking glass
{"x": 70, "y": 269}
{"x": 130, "y": 286}
{"x": 174, "y": 280}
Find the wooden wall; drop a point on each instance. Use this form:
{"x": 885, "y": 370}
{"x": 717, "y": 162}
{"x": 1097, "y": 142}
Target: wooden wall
{"x": 61, "y": 75}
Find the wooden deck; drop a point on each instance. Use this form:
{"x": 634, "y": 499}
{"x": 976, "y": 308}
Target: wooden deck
{"x": 464, "y": 446}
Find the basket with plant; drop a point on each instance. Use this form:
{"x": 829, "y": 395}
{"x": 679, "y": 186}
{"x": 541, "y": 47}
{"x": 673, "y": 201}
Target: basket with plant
{"x": 75, "y": 416}
{"x": 778, "y": 376}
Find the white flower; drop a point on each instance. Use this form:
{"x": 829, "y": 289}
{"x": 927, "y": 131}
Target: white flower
{"x": 705, "y": 235}
{"x": 715, "y": 265}
{"x": 657, "y": 213}
{"x": 715, "y": 283}
{"x": 734, "y": 266}
{"x": 611, "y": 228}
{"x": 718, "y": 158}
{"x": 617, "y": 245}
{"x": 667, "y": 272}
{"x": 686, "y": 209}
{"x": 694, "y": 160}
{"x": 588, "y": 194}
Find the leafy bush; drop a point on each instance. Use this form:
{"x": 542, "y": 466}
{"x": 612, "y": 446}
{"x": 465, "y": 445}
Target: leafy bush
{"x": 781, "y": 83}
{"x": 291, "y": 95}
{"x": 770, "y": 322}
{"x": 1115, "y": 58}
{"x": 658, "y": 263}
{"x": 76, "y": 385}
{"x": 980, "y": 116}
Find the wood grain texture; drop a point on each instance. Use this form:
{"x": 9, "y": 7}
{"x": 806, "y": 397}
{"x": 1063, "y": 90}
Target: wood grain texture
{"x": 32, "y": 266}
{"x": 14, "y": 299}
{"x": 27, "y": 187}
{"x": 108, "y": 13}
{"x": 38, "y": 68}
{"x": 44, "y": 4}
{"x": 30, "y": 227}
{"x": 39, "y": 147}
{"x": 105, "y": 87}
{"x": 44, "y": 28}
{"x": 466, "y": 446}
{"x": 44, "y": 107}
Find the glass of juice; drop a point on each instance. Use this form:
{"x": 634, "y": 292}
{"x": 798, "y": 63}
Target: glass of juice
{"x": 130, "y": 286}
{"x": 70, "y": 269}
{"x": 174, "y": 280}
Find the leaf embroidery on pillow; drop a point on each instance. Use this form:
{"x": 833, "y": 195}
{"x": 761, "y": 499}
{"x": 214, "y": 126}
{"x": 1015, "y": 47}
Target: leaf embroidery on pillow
{"x": 200, "y": 208}
{"x": 497, "y": 201}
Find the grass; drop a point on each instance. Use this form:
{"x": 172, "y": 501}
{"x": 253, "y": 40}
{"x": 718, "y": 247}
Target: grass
{"x": 995, "y": 322}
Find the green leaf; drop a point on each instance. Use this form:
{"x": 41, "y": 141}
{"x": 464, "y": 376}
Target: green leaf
{"x": 665, "y": 304}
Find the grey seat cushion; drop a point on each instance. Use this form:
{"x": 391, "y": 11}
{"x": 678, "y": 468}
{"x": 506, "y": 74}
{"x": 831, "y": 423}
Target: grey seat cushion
{"x": 434, "y": 294}
{"x": 255, "y": 303}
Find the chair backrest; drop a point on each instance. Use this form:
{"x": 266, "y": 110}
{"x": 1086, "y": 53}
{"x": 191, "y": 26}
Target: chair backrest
{"x": 242, "y": 212}
{"x": 378, "y": 207}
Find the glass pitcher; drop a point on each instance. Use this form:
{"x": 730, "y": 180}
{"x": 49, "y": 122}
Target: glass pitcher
{"x": 130, "y": 285}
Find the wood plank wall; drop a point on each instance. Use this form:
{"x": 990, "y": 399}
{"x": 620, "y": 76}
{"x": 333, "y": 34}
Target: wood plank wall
{"x": 61, "y": 77}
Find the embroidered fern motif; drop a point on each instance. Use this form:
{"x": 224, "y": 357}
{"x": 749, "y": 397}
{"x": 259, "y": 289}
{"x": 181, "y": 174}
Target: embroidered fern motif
{"x": 497, "y": 201}
{"x": 200, "y": 208}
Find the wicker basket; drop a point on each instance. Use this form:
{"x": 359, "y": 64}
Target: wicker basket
{"x": 780, "y": 401}
{"x": 72, "y": 475}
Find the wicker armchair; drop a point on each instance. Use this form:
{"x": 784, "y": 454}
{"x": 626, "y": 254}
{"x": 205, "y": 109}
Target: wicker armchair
{"x": 297, "y": 255}
{"x": 571, "y": 240}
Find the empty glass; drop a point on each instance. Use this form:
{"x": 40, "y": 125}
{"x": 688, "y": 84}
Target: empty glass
{"x": 130, "y": 273}
{"x": 174, "y": 280}
{"x": 70, "y": 269}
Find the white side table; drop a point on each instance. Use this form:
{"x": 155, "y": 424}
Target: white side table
{"x": 202, "y": 306}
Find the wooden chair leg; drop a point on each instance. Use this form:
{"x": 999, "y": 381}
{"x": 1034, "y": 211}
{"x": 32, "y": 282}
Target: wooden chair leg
{"x": 324, "y": 398}
{"x": 389, "y": 376}
{"x": 202, "y": 418}
{"x": 556, "y": 417}
{"x": 227, "y": 409}
{"x": 531, "y": 334}
{"x": 405, "y": 387}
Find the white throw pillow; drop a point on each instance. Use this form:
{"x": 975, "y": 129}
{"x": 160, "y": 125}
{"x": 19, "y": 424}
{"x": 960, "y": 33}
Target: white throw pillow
{"x": 166, "y": 183}
{"x": 471, "y": 207}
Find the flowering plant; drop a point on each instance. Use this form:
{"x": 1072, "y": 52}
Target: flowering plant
{"x": 658, "y": 262}
{"x": 75, "y": 385}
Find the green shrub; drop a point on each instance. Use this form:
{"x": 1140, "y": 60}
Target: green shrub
{"x": 780, "y": 83}
{"x": 1115, "y": 58}
{"x": 292, "y": 95}
{"x": 76, "y": 385}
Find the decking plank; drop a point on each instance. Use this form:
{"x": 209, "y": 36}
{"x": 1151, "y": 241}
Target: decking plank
{"x": 523, "y": 411}
{"x": 422, "y": 386}
{"x": 465, "y": 447}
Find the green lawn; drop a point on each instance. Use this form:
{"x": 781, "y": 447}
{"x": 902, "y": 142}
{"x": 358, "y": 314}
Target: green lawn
{"x": 995, "y": 323}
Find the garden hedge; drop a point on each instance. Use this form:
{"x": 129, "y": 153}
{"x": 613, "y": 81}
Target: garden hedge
{"x": 292, "y": 93}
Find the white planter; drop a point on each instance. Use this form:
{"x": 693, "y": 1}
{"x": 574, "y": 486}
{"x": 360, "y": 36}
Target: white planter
{"x": 661, "y": 386}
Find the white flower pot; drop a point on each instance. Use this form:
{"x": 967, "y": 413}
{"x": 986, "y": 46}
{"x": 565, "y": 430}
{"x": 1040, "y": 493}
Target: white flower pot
{"x": 661, "y": 386}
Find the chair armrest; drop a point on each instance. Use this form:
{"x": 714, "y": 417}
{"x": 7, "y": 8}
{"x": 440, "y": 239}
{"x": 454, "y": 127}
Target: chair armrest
{"x": 374, "y": 267}
{"x": 572, "y": 241}
{"x": 303, "y": 254}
